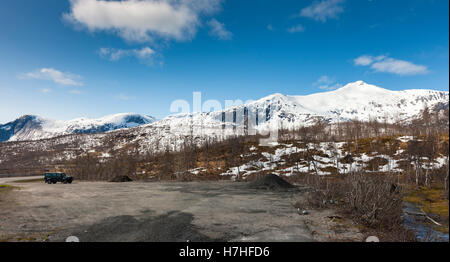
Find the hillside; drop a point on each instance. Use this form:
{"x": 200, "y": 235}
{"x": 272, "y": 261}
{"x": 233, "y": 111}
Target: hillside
{"x": 30, "y": 127}
{"x": 62, "y": 141}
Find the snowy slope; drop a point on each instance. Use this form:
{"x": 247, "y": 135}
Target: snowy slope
{"x": 364, "y": 102}
{"x": 356, "y": 100}
{"x": 35, "y": 127}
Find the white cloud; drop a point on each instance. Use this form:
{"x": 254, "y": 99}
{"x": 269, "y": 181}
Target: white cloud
{"x": 296, "y": 29}
{"x": 323, "y": 10}
{"x": 54, "y": 75}
{"x": 46, "y": 90}
{"x": 142, "y": 20}
{"x": 366, "y": 60}
{"x": 145, "y": 54}
{"x": 218, "y": 29}
{"x": 386, "y": 64}
{"x": 363, "y": 60}
{"x": 399, "y": 67}
{"x": 326, "y": 83}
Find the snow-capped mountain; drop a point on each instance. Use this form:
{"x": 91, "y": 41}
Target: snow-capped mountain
{"x": 356, "y": 100}
{"x": 31, "y": 127}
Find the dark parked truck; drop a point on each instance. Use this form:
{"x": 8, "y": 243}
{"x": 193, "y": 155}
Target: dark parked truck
{"x": 53, "y": 178}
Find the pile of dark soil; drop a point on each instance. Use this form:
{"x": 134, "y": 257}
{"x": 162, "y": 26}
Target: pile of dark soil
{"x": 271, "y": 182}
{"x": 119, "y": 179}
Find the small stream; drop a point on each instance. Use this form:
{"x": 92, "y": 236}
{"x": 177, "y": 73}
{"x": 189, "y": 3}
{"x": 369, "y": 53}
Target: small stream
{"x": 416, "y": 224}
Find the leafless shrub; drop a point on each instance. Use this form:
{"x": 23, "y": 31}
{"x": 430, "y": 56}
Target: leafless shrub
{"x": 374, "y": 200}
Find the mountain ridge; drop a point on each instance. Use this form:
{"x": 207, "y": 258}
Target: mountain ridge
{"x": 356, "y": 100}
{"x": 32, "y": 127}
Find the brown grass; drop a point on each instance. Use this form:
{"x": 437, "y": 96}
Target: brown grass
{"x": 433, "y": 202}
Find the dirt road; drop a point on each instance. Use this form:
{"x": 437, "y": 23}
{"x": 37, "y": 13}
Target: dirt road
{"x": 178, "y": 211}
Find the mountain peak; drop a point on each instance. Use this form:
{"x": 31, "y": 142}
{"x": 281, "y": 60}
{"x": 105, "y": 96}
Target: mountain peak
{"x": 274, "y": 95}
{"x": 27, "y": 117}
{"x": 361, "y": 86}
{"x": 359, "y": 83}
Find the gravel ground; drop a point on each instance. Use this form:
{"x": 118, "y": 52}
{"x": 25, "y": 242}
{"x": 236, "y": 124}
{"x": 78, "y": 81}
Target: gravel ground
{"x": 167, "y": 211}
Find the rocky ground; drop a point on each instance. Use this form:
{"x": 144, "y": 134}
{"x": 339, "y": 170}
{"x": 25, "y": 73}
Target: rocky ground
{"x": 31, "y": 210}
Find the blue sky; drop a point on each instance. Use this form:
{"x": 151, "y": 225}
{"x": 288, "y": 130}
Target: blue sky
{"x": 65, "y": 59}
